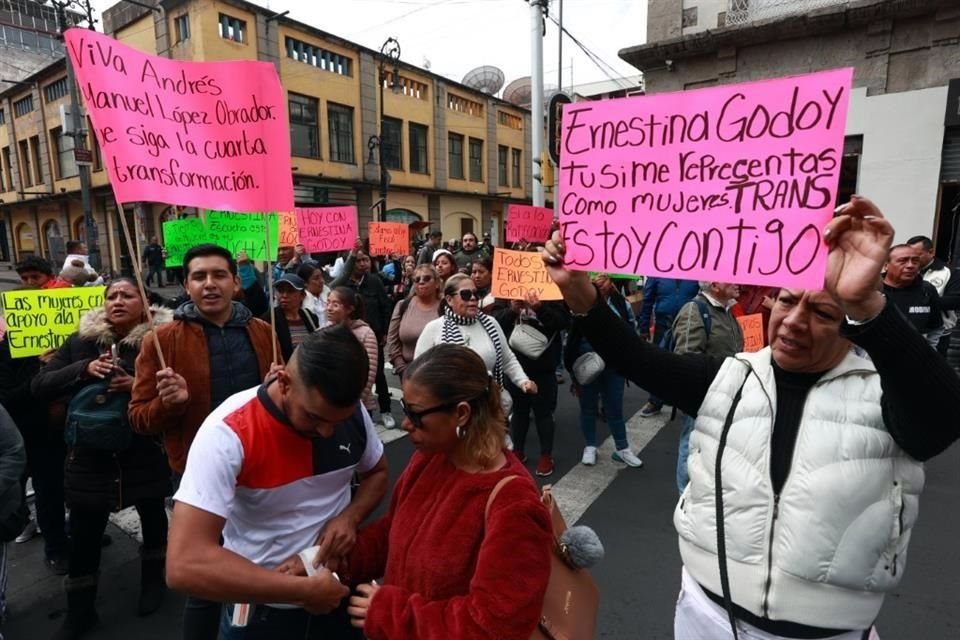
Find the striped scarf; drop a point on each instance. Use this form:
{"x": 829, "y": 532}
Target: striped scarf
{"x": 451, "y": 335}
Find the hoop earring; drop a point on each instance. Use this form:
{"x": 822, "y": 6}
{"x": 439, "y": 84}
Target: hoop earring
{"x": 460, "y": 431}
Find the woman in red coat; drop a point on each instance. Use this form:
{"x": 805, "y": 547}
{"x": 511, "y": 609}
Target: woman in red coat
{"x": 449, "y": 571}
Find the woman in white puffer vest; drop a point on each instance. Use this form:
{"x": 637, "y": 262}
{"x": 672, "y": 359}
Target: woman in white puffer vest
{"x": 806, "y": 460}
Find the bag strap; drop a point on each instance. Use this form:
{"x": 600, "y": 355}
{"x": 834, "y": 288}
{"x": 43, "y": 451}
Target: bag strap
{"x": 705, "y": 316}
{"x": 493, "y": 494}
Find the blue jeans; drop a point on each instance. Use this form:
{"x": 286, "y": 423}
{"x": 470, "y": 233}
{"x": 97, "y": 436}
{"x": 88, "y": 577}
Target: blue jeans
{"x": 269, "y": 623}
{"x": 611, "y": 386}
{"x": 683, "y": 451}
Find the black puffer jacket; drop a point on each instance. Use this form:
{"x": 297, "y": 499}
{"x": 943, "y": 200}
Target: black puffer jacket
{"x": 95, "y": 479}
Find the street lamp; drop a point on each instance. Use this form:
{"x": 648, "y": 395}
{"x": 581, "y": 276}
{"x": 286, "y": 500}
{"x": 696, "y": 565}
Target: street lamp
{"x": 389, "y": 52}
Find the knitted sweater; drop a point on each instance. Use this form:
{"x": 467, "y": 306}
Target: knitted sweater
{"x": 448, "y": 573}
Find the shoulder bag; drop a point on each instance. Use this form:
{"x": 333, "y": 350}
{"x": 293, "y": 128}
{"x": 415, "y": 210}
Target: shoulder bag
{"x": 528, "y": 340}
{"x": 97, "y": 418}
{"x": 572, "y": 600}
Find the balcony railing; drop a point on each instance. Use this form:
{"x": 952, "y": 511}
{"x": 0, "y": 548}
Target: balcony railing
{"x": 745, "y": 11}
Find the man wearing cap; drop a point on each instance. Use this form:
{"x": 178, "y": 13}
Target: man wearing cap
{"x": 293, "y": 322}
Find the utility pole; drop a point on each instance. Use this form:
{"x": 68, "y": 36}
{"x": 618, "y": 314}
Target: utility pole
{"x": 80, "y": 129}
{"x": 538, "y": 9}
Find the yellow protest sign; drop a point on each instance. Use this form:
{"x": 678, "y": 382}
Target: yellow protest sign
{"x": 517, "y": 272}
{"x": 42, "y": 319}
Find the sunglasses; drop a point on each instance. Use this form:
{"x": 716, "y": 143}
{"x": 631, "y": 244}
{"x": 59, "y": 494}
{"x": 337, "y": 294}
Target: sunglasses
{"x": 466, "y": 294}
{"x": 421, "y": 279}
{"x": 416, "y": 417}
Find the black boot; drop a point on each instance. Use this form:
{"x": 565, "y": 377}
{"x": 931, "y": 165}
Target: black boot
{"x": 152, "y": 584}
{"x": 81, "y": 613}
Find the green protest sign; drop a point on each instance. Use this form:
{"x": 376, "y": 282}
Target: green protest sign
{"x": 40, "y": 320}
{"x": 179, "y": 236}
{"x": 234, "y": 231}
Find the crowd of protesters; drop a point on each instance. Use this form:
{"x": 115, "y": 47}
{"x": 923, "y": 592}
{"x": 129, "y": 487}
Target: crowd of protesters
{"x": 256, "y": 410}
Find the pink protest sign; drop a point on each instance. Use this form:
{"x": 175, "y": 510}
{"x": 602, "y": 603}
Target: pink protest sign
{"x": 732, "y": 183}
{"x": 211, "y": 135}
{"x": 327, "y": 228}
{"x": 530, "y": 224}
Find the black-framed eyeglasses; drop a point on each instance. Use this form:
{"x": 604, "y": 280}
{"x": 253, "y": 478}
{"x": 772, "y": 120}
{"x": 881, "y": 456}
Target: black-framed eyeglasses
{"x": 466, "y": 294}
{"x": 421, "y": 279}
{"x": 416, "y": 417}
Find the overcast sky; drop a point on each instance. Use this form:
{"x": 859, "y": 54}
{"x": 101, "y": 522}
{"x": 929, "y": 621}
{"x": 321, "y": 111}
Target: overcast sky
{"x": 454, "y": 36}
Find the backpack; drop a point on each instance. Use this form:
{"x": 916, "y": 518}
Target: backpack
{"x": 97, "y": 419}
{"x": 669, "y": 340}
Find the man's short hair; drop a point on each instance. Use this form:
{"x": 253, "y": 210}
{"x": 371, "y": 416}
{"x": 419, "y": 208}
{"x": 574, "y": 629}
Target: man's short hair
{"x": 895, "y": 247}
{"x": 927, "y": 242}
{"x": 73, "y": 245}
{"x": 436, "y": 234}
{"x": 333, "y": 362}
{"x": 35, "y": 263}
{"x": 205, "y": 251}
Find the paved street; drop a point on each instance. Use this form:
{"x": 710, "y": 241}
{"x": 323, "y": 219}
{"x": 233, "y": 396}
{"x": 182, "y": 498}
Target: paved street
{"x": 631, "y": 509}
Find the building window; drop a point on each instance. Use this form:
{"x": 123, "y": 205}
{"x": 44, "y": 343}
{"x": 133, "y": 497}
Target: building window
{"x": 181, "y": 28}
{"x": 3, "y": 117}
{"x": 411, "y": 88}
{"x": 56, "y": 90}
{"x": 23, "y": 106}
{"x": 233, "y": 28}
{"x": 35, "y": 159}
{"x": 689, "y": 18}
{"x": 476, "y": 160}
{"x": 318, "y": 57}
{"x": 502, "y": 153}
{"x": 391, "y": 148}
{"x": 463, "y": 105}
{"x": 509, "y": 120}
{"x": 6, "y": 183}
{"x": 849, "y": 168}
{"x": 26, "y": 167}
{"x": 340, "y": 123}
{"x": 304, "y": 130}
{"x": 517, "y": 161}
{"x": 455, "y": 152}
{"x": 722, "y": 19}
{"x": 418, "y": 148}
{"x": 66, "y": 162}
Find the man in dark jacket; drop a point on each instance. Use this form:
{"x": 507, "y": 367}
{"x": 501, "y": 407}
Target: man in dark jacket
{"x": 153, "y": 257}
{"x": 662, "y": 299}
{"x": 945, "y": 280}
{"x": 45, "y": 448}
{"x": 357, "y": 274}
{"x": 915, "y": 298}
{"x": 432, "y": 244}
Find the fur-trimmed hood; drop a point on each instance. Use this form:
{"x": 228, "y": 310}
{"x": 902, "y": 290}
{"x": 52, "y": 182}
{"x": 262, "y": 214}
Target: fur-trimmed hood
{"x": 94, "y": 327}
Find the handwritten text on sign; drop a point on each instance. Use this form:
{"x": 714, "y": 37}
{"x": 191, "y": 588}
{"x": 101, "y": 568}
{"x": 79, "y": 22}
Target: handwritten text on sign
{"x": 752, "y": 326}
{"x": 234, "y": 231}
{"x": 389, "y": 237}
{"x": 288, "y": 235}
{"x": 730, "y": 183}
{"x": 517, "y": 272}
{"x": 38, "y": 321}
{"x": 530, "y": 224}
{"x": 203, "y": 134}
{"x": 327, "y": 228}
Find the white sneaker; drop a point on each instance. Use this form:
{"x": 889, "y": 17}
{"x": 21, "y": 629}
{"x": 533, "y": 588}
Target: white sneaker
{"x": 388, "y": 421}
{"x": 508, "y": 443}
{"x": 589, "y": 456}
{"x": 28, "y": 532}
{"x": 627, "y": 457}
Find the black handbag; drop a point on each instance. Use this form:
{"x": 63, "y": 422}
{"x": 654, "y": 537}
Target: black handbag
{"x": 97, "y": 419}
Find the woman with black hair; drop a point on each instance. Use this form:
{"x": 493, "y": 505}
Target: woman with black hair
{"x": 345, "y": 306}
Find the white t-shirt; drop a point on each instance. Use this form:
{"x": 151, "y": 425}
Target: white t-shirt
{"x": 275, "y": 488}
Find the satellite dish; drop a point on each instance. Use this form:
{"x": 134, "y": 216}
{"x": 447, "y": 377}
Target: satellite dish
{"x": 486, "y": 78}
{"x": 518, "y": 92}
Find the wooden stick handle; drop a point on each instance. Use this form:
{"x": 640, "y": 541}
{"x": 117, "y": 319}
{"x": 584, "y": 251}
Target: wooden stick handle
{"x": 273, "y": 310}
{"x": 139, "y": 277}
